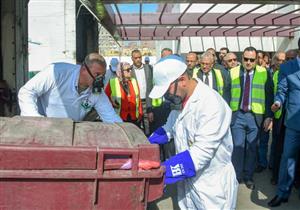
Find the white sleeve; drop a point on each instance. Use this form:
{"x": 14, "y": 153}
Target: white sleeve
{"x": 168, "y": 127}
{"x": 105, "y": 109}
{"x": 34, "y": 88}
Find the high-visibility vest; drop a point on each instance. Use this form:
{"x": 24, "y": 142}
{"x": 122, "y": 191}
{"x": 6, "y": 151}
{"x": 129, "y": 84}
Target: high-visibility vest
{"x": 156, "y": 102}
{"x": 275, "y": 80}
{"x": 195, "y": 72}
{"x": 257, "y": 89}
{"x": 220, "y": 81}
{"x": 116, "y": 94}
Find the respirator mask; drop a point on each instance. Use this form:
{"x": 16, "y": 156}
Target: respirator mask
{"x": 98, "y": 83}
{"x": 175, "y": 101}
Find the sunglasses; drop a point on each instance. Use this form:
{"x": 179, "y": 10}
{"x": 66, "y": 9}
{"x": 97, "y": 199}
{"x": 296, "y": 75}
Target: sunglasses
{"x": 230, "y": 60}
{"x": 289, "y": 58}
{"x": 280, "y": 60}
{"x": 128, "y": 70}
{"x": 249, "y": 59}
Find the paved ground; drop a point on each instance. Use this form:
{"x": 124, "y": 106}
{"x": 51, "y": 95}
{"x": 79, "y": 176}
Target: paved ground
{"x": 247, "y": 199}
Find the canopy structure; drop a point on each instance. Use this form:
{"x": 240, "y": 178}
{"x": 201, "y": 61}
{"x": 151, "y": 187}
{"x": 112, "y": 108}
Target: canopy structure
{"x": 170, "y": 20}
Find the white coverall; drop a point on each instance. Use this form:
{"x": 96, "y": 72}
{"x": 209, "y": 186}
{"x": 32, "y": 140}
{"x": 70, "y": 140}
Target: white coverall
{"x": 203, "y": 128}
{"x": 53, "y": 93}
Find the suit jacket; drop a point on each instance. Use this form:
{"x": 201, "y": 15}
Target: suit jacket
{"x": 288, "y": 92}
{"x": 149, "y": 80}
{"x": 269, "y": 97}
{"x": 226, "y": 78}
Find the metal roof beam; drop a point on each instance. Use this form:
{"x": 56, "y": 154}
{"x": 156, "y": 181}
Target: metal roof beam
{"x": 141, "y": 12}
{"x": 272, "y": 29}
{"x": 182, "y": 33}
{"x": 251, "y": 32}
{"x": 183, "y": 13}
{"x": 196, "y": 33}
{"x": 277, "y": 32}
{"x": 162, "y": 12}
{"x": 224, "y": 32}
{"x": 265, "y": 14}
{"x": 218, "y": 18}
{"x": 290, "y": 33}
{"x": 214, "y": 30}
{"x": 280, "y": 16}
{"x": 121, "y": 20}
{"x": 201, "y": 1}
{"x": 244, "y": 29}
{"x": 204, "y": 13}
{"x": 247, "y": 13}
{"x": 291, "y": 20}
{"x": 206, "y": 24}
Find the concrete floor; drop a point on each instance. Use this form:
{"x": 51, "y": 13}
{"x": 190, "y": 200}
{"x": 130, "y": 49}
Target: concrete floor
{"x": 247, "y": 199}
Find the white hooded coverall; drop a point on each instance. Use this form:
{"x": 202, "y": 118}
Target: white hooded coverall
{"x": 203, "y": 128}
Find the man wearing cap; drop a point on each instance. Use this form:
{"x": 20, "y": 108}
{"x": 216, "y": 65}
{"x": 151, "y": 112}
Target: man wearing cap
{"x": 147, "y": 60}
{"x": 111, "y": 72}
{"x": 201, "y": 131}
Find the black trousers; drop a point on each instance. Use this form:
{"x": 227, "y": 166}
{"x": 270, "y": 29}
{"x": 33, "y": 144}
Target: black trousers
{"x": 278, "y": 136}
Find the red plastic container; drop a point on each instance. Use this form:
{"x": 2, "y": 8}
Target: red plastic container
{"x": 38, "y": 171}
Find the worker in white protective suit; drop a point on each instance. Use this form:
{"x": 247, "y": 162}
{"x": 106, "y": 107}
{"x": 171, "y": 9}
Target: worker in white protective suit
{"x": 201, "y": 131}
{"x": 66, "y": 90}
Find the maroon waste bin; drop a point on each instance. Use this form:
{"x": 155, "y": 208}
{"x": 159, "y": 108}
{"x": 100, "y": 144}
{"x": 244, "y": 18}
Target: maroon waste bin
{"x": 48, "y": 163}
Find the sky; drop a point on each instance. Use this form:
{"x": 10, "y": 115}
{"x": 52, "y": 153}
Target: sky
{"x": 135, "y": 8}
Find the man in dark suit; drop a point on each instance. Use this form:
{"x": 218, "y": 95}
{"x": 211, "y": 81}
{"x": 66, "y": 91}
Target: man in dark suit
{"x": 288, "y": 92}
{"x": 218, "y": 79}
{"x": 143, "y": 73}
{"x": 160, "y": 107}
{"x": 251, "y": 99}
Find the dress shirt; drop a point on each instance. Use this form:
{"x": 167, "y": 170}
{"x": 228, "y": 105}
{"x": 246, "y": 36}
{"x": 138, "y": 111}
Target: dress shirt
{"x": 210, "y": 78}
{"x": 251, "y": 73}
{"x": 141, "y": 79}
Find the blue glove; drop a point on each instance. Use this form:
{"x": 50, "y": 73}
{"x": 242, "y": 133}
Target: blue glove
{"x": 179, "y": 167}
{"x": 159, "y": 136}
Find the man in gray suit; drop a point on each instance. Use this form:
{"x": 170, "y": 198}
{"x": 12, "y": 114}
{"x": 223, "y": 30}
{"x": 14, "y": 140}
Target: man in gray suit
{"x": 217, "y": 79}
{"x": 288, "y": 93}
{"x": 144, "y": 76}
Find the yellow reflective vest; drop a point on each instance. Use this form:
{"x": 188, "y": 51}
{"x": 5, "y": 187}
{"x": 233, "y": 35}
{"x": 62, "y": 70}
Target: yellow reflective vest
{"x": 257, "y": 89}
{"x": 220, "y": 81}
{"x": 156, "y": 102}
{"x": 275, "y": 80}
{"x": 195, "y": 72}
{"x": 116, "y": 94}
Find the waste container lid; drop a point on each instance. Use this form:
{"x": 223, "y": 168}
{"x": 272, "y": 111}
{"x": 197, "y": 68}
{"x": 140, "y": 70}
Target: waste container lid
{"x": 64, "y": 132}
{"x": 124, "y": 135}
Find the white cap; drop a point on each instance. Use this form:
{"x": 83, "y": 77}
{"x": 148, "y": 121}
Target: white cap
{"x": 166, "y": 71}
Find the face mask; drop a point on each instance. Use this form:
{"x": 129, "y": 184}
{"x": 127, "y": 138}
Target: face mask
{"x": 98, "y": 82}
{"x": 176, "y": 101}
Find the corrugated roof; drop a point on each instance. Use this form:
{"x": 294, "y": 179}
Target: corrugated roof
{"x": 170, "y": 20}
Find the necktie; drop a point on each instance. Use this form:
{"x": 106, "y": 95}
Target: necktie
{"x": 246, "y": 93}
{"x": 206, "y": 81}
